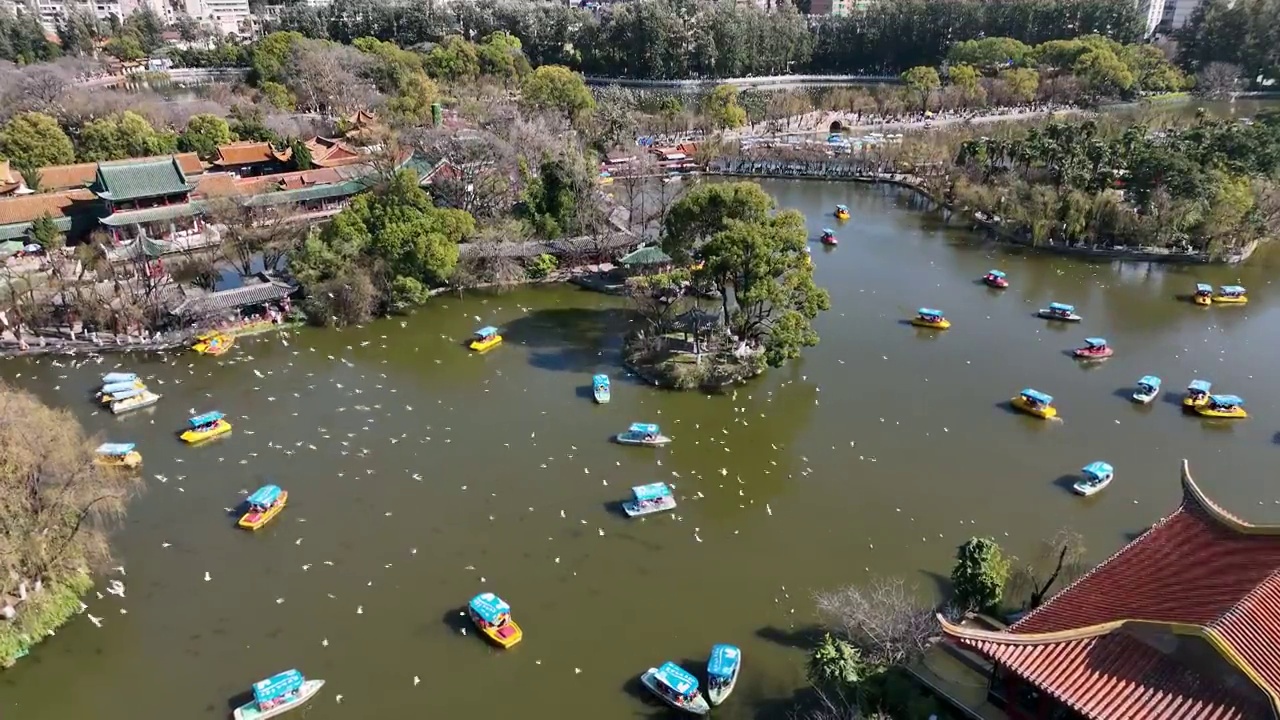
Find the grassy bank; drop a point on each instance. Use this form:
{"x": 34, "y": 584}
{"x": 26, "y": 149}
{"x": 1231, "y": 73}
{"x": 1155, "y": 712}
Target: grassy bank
{"x": 40, "y": 615}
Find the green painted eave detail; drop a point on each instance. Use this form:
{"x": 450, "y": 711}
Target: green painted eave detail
{"x": 14, "y": 231}
{"x": 154, "y": 214}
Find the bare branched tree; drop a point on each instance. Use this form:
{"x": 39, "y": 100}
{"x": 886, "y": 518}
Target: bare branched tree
{"x": 884, "y": 619}
{"x": 1218, "y": 79}
{"x": 833, "y": 707}
{"x": 253, "y": 233}
{"x": 480, "y": 175}
{"x": 1059, "y": 560}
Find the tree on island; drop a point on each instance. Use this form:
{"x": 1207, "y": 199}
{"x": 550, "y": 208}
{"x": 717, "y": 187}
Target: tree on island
{"x": 980, "y": 574}
{"x": 706, "y": 210}
{"x": 56, "y": 510}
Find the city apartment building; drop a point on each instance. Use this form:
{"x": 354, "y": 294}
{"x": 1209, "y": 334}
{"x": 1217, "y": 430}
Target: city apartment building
{"x": 1152, "y": 14}
{"x": 838, "y": 7}
{"x": 51, "y": 11}
{"x": 225, "y": 16}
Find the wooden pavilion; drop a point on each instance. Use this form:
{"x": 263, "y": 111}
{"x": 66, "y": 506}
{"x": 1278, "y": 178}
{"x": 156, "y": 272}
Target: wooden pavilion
{"x": 1183, "y": 623}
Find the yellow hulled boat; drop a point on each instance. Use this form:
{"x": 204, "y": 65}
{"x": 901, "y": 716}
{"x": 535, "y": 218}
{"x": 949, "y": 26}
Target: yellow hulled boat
{"x": 1203, "y": 295}
{"x": 1197, "y": 394}
{"x": 214, "y": 343}
{"x": 842, "y": 212}
{"x": 1034, "y": 402}
{"x": 492, "y": 615}
{"x": 264, "y": 504}
{"x": 485, "y": 338}
{"x": 203, "y": 427}
{"x": 929, "y": 318}
{"x": 1231, "y": 295}
{"x": 119, "y": 391}
{"x": 1222, "y": 406}
{"x": 118, "y": 455}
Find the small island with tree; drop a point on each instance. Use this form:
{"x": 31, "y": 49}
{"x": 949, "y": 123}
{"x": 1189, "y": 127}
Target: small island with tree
{"x": 733, "y": 292}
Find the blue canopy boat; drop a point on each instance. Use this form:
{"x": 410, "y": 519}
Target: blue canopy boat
{"x": 1203, "y": 294}
{"x": 115, "y": 449}
{"x": 118, "y": 387}
{"x": 995, "y": 279}
{"x": 265, "y": 496}
{"x": 600, "y": 388}
{"x": 676, "y": 687}
{"x": 648, "y": 499}
{"x": 117, "y": 455}
{"x": 118, "y": 377}
{"x": 642, "y": 434}
{"x": 1148, "y": 388}
{"x": 1197, "y": 393}
{"x": 132, "y": 399}
{"x": 1097, "y": 475}
{"x": 489, "y": 608}
{"x": 208, "y": 418}
{"x": 722, "y": 672}
{"x": 278, "y": 694}
{"x": 1060, "y": 311}
{"x": 125, "y": 394}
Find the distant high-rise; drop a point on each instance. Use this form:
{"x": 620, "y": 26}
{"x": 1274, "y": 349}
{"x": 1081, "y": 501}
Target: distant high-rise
{"x": 1152, "y": 14}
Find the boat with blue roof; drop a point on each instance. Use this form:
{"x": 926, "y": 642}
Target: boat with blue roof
{"x": 842, "y": 212}
{"x": 492, "y": 616}
{"x": 600, "y": 389}
{"x": 1203, "y": 295}
{"x": 1197, "y": 394}
{"x": 485, "y": 338}
{"x": 1095, "y": 348}
{"x": 262, "y": 506}
{"x": 129, "y": 400}
{"x": 642, "y": 434}
{"x": 277, "y": 695}
{"x": 828, "y": 237}
{"x": 1034, "y": 402}
{"x": 213, "y": 343}
{"x": 996, "y": 279}
{"x": 1232, "y": 295}
{"x": 1094, "y": 478}
{"x": 206, "y": 426}
{"x": 112, "y": 378}
{"x": 107, "y": 394}
{"x": 1223, "y": 406}
{"x": 117, "y": 455}
{"x": 723, "y": 666}
{"x": 1148, "y": 388}
{"x": 1061, "y": 312}
{"x": 648, "y": 499}
{"x": 676, "y": 687}
{"x": 930, "y": 318}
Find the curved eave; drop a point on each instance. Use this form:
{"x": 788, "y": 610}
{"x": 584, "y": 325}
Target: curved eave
{"x": 1192, "y": 492}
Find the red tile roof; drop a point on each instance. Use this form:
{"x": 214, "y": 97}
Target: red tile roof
{"x": 248, "y": 153}
{"x": 1201, "y": 571}
{"x": 65, "y": 177}
{"x": 326, "y": 152}
{"x": 26, "y": 208}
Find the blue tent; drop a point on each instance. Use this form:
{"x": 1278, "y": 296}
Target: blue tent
{"x": 115, "y": 448}
{"x": 489, "y": 606}
{"x": 1150, "y": 381}
{"x": 724, "y": 661}
{"x": 929, "y": 313}
{"x": 676, "y": 678}
{"x": 118, "y": 377}
{"x": 643, "y": 428}
{"x": 1204, "y": 288}
{"x": 116, "y": 387}
{"x": 1097, "y": 470}
{"x": 996, "y": 274}
{"x": 487, "y": 331}
{"x": 1203, "y": 386}
{"x": 1232, "y": 290}
{"x": 652, "y": 491}
{"x": 277, "y": 686}
{"x": 206, "y": 419}
{"x": 1096, "y": 342}
{"x": 265, "y": 496}
{"x": 1038, "y": 396}
{"x": 1062, "y": 307}
{"x": 1226, "y": 400}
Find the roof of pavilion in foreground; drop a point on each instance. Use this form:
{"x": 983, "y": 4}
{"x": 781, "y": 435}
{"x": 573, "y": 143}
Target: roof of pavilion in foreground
{"x": 1181, "y": 623}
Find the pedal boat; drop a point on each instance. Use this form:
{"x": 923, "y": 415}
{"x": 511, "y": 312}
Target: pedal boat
{"x": 117, "y": 455}
{"x": 1061, "y": 312}
{"x": 492, "y": 616}
{"x": 600, "y": 389}
{"x": 675, "y": 687}
{"x": 214, "y": 343}
{"x": 723, "y": 667}
{"x": 995, "y": 279}
{"x": 485, "y": 338}
{"x": 1096, "y": 476}
{"x": 1197, "y": 394}
{"x": 930, "y": 318}
{"x": 206, "y": 426}
{"x": 1203, "y": 295}
{"x": 118, "y": 377}
{"x": 1034, "y": 402}
{"x": 264, "y": 504}
{"x": 842, "y": 212}
{"x": 1094, "y": 349}
{"x": 1231, "y": 295}
{"x": 1148, "y": 388}
{"x": 1222, "y": 406}
{"x": 649, "y": 499}
{"x": 642, "y": 434}
{"x": 828, "y": 237}
{"x": 118, "y": 391}
{"x": 133, "y": 400}
{"x": 277, "y": 695}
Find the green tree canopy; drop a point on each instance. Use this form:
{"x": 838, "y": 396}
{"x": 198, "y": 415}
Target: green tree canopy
{"x": 124, "y": 135}
{"x": 966, "y": 78}
{"x": 204, "y": 134}
{"x": 270, "y": 58}
{"x": 990, "y": 53}
{"x": 1023, "y": 83}
{"x": 125, "y": 48}
{"x": 921, "y": 82}
{"x": 558, "y": 89}
{"x": 1103, "y": 74}
{"x": 501, "y": 56}
{"x": 453, "y": 60}
{"x": 706, "y": 210}
{"x": 979, "y": 575}
{"x": 34, "y": 140}
{"x": 722, "y": 109}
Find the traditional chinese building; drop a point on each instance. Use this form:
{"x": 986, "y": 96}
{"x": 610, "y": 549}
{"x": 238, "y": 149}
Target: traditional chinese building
{"x": 147, "y": 200}
{"x": 328, "y": 152}
{"x": 1181, "y": 623}
{"x": 249, "y": 158}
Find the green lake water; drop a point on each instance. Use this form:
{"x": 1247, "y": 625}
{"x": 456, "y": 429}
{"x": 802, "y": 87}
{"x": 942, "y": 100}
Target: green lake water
{"x": 420, "y": 474}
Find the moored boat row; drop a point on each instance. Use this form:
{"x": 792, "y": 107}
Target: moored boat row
{"x": 678, "y": 687}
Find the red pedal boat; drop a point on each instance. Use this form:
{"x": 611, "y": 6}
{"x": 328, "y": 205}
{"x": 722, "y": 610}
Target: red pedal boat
{"x": 1094, "y": 349}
